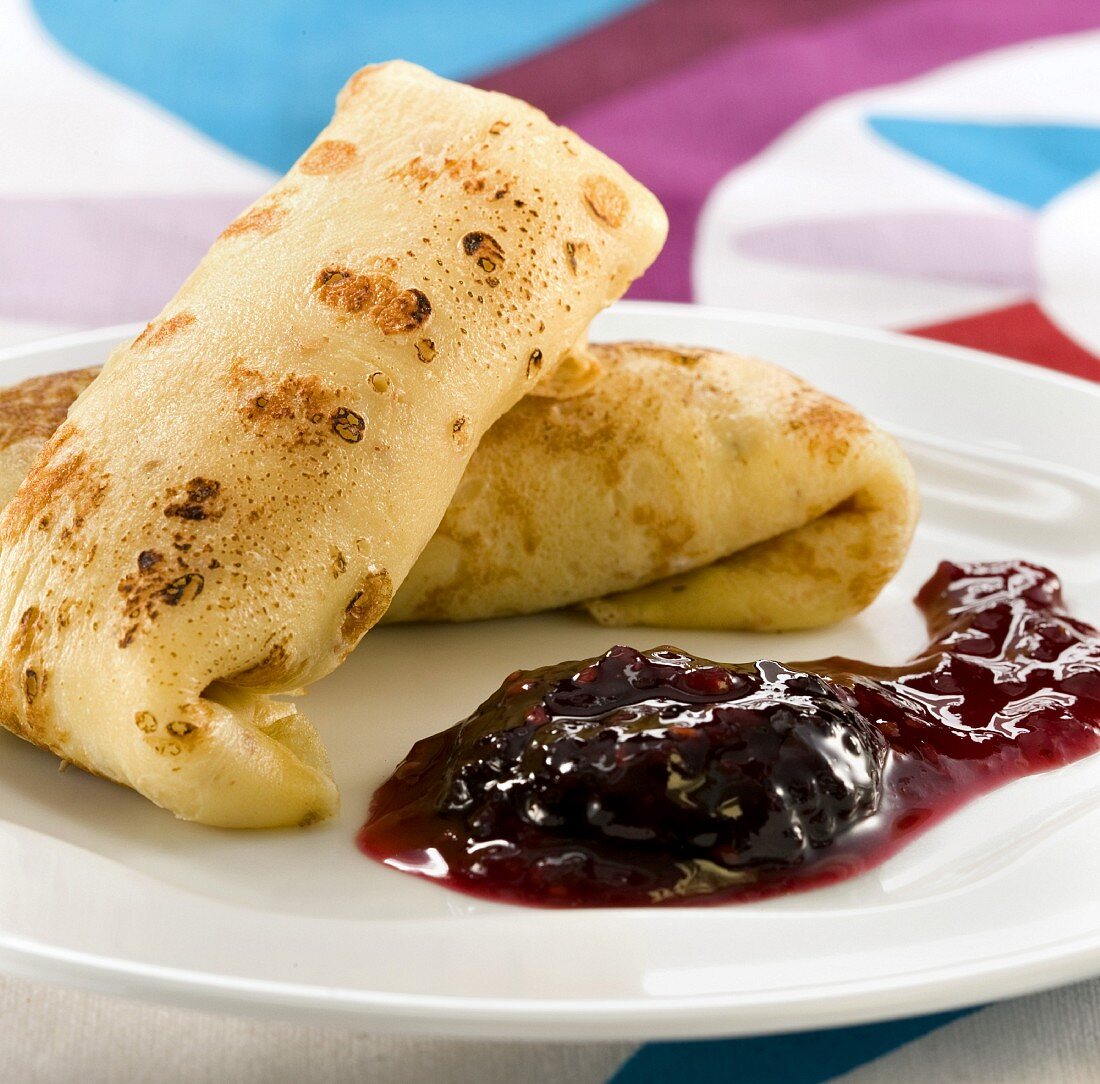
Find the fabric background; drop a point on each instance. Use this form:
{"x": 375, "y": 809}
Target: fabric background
{"x": 925, "y": 165}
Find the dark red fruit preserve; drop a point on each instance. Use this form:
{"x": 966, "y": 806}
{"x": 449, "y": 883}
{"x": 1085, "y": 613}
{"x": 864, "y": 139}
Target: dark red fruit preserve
{"x": 660, "y": 778}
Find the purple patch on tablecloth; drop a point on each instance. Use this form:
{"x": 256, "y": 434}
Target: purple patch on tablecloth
{"x": 682, "y": 132}
{"x": 983, "y": 249}
{"x": 646, "y": 42}
{"x": 103, "y": 260}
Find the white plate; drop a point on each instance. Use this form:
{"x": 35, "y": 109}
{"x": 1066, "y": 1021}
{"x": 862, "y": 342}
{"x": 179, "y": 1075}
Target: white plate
{"x": 99, "y": 888}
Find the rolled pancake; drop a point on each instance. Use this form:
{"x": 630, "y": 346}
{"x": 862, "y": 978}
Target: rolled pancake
{"x": 233, "y": 501}
{"x": 818, "y": 505}
{"x": 675, "y": 487}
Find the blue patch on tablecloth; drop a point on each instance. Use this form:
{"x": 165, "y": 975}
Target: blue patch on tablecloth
{"x": 260, "y": 76}
{"x": 1028, "y": 163}
{"x": 806, "y": 1058}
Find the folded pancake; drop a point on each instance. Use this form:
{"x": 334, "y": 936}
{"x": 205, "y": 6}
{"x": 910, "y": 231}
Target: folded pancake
{"x": 231, "y": 504}
{"x": 676, "y": 487}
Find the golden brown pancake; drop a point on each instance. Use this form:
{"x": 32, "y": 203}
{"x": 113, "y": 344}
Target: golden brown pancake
{"x": 808, "y": 520}
{"x": 671, "y": 486}
{"x": 232, "y": 503}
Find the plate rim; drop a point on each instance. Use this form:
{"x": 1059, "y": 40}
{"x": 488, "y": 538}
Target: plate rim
{"x": 599, "y": 1019}
{"x": 1026, "y": 369}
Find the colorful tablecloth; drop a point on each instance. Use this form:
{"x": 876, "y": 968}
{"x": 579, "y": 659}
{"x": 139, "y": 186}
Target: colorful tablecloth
{"x": 927, "y": 165}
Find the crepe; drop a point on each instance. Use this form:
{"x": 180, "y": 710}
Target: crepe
{"x": 810, "y": 508}
{"x": 674, "y": 487}
{"x": 232, "y": 503}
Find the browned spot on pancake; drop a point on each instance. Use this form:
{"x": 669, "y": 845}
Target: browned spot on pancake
{"x": 356, "y": 84}
{"x": 150, "y": 587}
{"x": 497, "y": 127}
{"x": 668, "y": 534}
{"x": 293, "y": 396}
{"x": 158, "y": 332}
{"x": 417, "y": 170}
{"x": 534, "y": 362}
{"x": 425, "y": 350}
{"x": 484, "y": 249}
{"x": 274, "y": 668}
{"x": 199, "y": 500}
{"x": 179, "y": 735}
{"x": 22, "y": 679}
{"x": 183, "y": 588}
{"x": 34, "y": 408}
{"x": 329, "y": 156}
{"x": 373, "y": 295}
{"x": 262, "y": 219}
{"x": 145, "y": 721}
{"x": 605, "y": 200}
{"x": 460, "y": 430}
{"x": 386, "y": 265}
{"x": 827, "y": 425}
{"x": 148, "y": 559}
{"x": 55, "y": 486}
{"x": 348, "y": 425}
{"x": 476, "y": 178}
{"x": 30, "y": 685}
{"x": 577, "y": 254}
{"x": 64, "y": 611}
{"x": 365, "y": 608}
{"x": 296, "y": 411}
{"x": 339, "y": 562}
{"x": 139, "y": 598}
{"x": 31, "y": 624}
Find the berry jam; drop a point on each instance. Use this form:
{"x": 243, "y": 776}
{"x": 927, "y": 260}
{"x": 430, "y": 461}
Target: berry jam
{"x": 660, "y": 778}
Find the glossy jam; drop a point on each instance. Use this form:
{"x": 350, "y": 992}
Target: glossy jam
{"x": 660, "y": 778}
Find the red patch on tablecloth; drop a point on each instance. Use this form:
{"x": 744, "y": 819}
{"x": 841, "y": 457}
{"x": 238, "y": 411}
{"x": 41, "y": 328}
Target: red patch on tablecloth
{"x": 1021, "y": 331}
